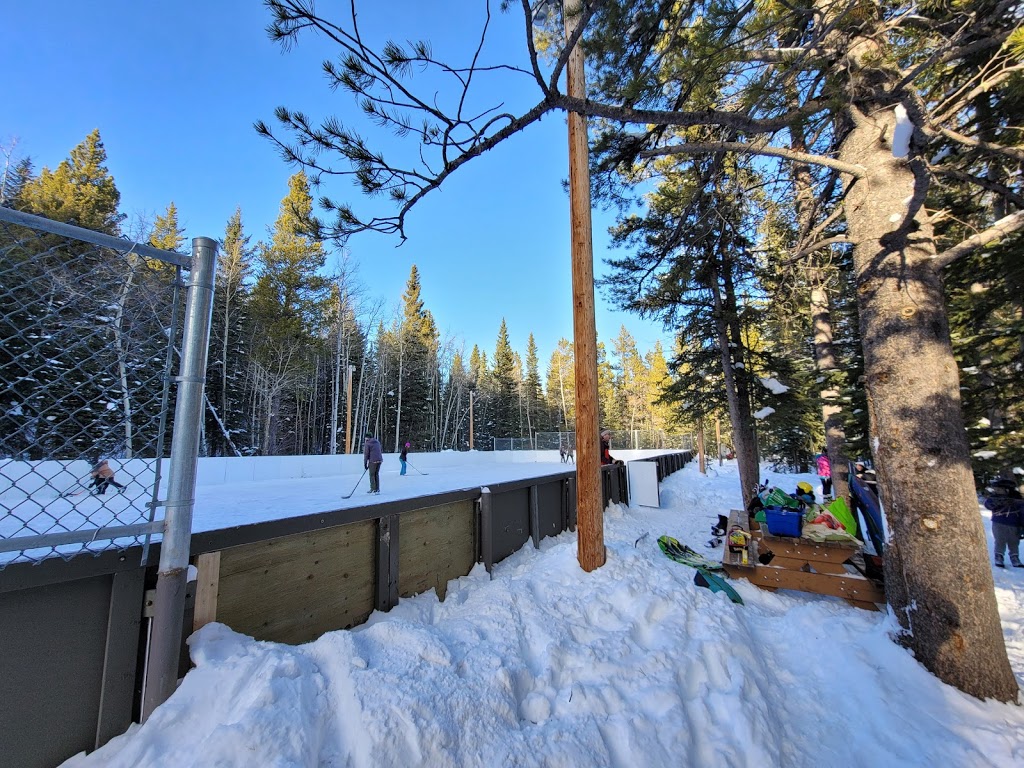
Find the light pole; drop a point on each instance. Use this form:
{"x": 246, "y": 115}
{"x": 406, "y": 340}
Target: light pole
{"x": 348, "y": 407}
{"x": 471, "y": 419}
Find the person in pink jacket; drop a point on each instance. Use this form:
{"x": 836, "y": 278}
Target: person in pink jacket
{"x": 824, "y": 474}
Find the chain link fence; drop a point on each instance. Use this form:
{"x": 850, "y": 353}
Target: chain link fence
{"x": 87, "y": 343}
{"x": 622, "y": 439}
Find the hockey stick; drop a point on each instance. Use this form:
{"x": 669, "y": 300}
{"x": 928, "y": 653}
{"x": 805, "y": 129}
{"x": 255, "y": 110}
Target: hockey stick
{"x": 349, "y": 495}
{"x": 410, "y": 464}
{"x": 68, "y": 493}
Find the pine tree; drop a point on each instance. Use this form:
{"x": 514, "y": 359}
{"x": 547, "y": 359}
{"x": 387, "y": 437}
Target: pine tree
{"x": 80, "y": 191}
{"x": 166, "y": 234}
{"x": 289, "y": 310}
{"x": 532, "y": 393}
{"x": 505, "y": 411}
{"x": 418, "y": 390}
{"x": 561, "y": 386}
{"x": 229, "y": 431}
{"x": 16, "y": 173}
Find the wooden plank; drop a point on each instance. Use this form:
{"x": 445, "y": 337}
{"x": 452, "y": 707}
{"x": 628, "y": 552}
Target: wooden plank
{"x": 436, "y": 546}
{"x": 120, "y": 655}
{"x": 295, "y": 588}
{"x": 207, "y": 586}
{"x": 852, "y": 587}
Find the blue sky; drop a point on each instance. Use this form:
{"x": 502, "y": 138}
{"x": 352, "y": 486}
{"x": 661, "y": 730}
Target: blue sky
{"x": 175, "y": 88}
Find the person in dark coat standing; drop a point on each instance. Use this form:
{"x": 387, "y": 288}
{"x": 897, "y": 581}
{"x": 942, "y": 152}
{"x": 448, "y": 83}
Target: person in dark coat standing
{"x": 373, "y": 457}
{"x": 1007, "y": 507}
{"x": 403, "y": 456}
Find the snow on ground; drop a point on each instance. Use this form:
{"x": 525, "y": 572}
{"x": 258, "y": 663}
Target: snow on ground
{"x": 542, "y": 664}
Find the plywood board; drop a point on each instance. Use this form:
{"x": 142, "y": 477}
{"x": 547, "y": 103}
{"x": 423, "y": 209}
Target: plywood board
{"x": 435, "y": 545}
{"x": 292, "y": 589}
{"x": 207, "y": 587}
{"x": 643, "y": 484}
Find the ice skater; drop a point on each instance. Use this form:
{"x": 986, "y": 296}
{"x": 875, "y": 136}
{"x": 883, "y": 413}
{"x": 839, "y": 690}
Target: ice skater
{"x": 102, "y": 478}
{"x": 403, "y": 456}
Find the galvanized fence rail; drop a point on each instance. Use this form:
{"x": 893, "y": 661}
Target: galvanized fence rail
{"x": 87, "y": 337}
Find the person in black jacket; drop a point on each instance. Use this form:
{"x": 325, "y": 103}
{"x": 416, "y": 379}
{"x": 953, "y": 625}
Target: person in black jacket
{"x": 373, "y": 457}
{"x": 1007, "y": 507}
{"x": 403, "y": 456}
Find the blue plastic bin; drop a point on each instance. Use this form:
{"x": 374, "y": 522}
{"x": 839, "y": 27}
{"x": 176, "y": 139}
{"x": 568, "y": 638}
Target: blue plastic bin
{"x": 783, "y": 522}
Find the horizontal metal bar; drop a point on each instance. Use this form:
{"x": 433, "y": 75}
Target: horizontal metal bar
{"x": 96, "y": 238}
{"x": 24, "y": 543}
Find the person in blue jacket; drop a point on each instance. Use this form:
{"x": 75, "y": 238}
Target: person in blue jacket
{"x": 1007, "y": 507}
{"x": 373, "y": 457}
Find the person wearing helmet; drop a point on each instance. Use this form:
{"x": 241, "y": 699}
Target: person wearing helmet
{"x": 804, "y": 492}
{"x": 403, "y": 456}
{"x": 1007, "y": 507}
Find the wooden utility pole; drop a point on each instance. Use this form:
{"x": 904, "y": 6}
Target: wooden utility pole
{"x": 589, "y": 508}
{"x": 348, "y": 405}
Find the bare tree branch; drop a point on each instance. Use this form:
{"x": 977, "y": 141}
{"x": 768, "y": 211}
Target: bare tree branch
{"x": 1014, "y": 152}
{"x": 1003, "y": 227}
{"x": 700, "y": 147}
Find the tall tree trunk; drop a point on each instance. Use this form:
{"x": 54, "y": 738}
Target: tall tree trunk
{"x": 122, "y": 360}
{"x": 742, "y": 429}
{"x": 738, "y": 351}
{"x": 831, "y": 407}
{"x": 821, "y": 321}
{"x": 938, "y": 578}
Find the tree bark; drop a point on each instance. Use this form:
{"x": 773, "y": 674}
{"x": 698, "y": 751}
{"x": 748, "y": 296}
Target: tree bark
{"x": 938, "y": 579}
{"x": 742, "y": 429}
{"x": 831, "y": 407}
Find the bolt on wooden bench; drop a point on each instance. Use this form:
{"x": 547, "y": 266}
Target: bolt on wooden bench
{"x": 822, "y": 568}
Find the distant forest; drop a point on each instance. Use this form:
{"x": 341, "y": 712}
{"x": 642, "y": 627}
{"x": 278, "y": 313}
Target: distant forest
{"x": 285, "y": 332}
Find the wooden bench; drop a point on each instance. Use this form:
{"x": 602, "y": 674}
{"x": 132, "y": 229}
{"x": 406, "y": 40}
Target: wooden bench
{"x": 822, "y": 568}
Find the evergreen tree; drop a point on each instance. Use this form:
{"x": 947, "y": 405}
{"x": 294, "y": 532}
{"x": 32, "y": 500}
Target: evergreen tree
{"x": 561, "y": 386}
{"x": 664, "y": 418}
{"x": 16, "y": 173}
{"x": 418, "y": 392}
{"x": 80, "y": 191}
{"x": 166, "y": 234}
{"x": 289, "y": 309}
{"x": 505, "y": 409}
{"x": 229, "y": 431}
{"x": 532, "y": 393}
{"x": 608, "y": 395}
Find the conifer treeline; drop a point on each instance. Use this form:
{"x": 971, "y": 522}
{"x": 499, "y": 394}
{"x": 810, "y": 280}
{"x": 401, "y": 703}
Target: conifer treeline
{"x": 285, "y": 334}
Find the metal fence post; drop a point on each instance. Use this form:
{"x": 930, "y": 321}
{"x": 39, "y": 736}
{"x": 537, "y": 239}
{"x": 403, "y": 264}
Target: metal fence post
{"x": 162, "y": 674}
